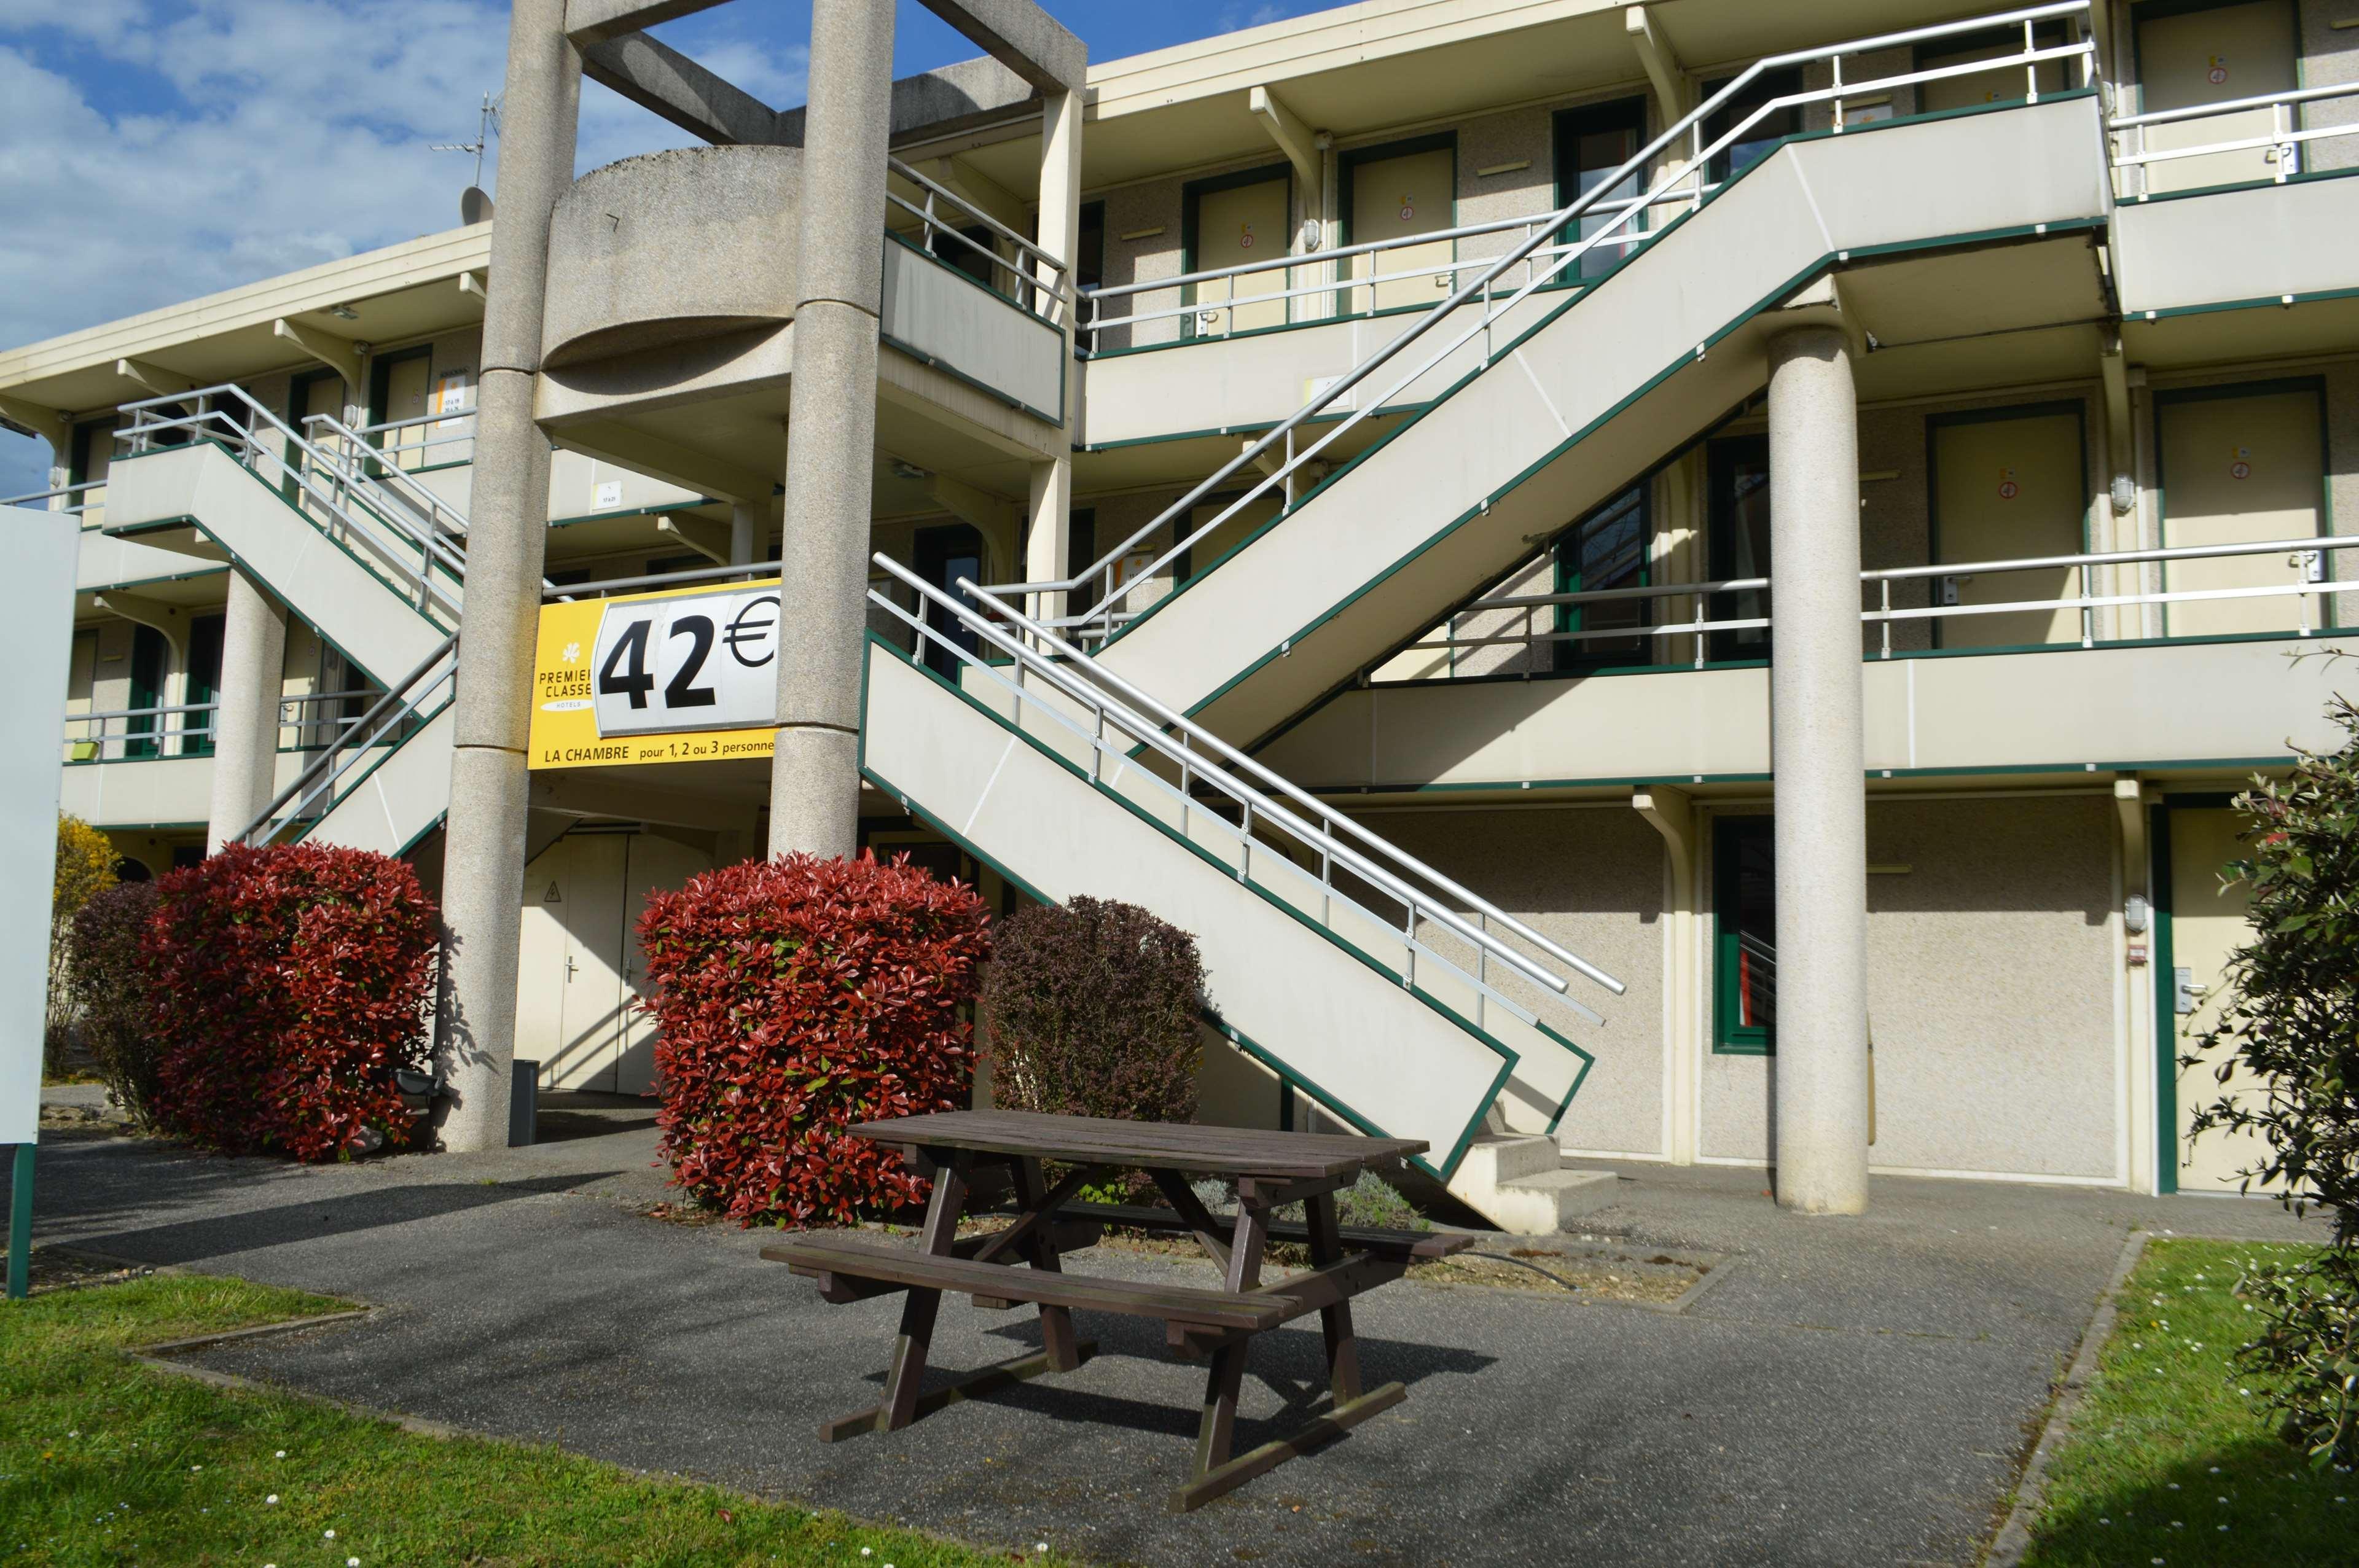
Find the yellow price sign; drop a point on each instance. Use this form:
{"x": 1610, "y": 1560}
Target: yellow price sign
{"x": 683, "y": 675}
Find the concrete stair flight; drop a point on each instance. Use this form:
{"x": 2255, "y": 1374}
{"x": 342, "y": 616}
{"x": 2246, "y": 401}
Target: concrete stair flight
{"x": 347, "y": 545}
{"x": 1534, "y": 422}
{"x": 1391, "y": 1021}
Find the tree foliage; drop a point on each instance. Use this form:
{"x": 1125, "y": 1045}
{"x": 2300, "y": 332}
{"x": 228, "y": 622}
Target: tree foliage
{"x": 1095, "y": 1009}
{"x": 85, "y": 868}
{"x": 2286, "y": 1055}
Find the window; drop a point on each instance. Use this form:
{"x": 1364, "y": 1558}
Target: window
{"x": 975, "y": 259}
{"x": 1592, "y": 142}
{"x": 204, "y": 684}
{"x": 1758, "y": 137}
{"x": 1089, "y": 264}
{"x": 1737, "y": 541}
{"x": 943, "y": 555}
{"x": 1605, "y": 549}
{"x": 149, "y": 655}
{"x": 1744, "y": 936}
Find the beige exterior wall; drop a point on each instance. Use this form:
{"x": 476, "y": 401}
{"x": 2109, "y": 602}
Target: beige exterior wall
{"x": 1995, "y": 988}
{"x": 1590, "y": 879}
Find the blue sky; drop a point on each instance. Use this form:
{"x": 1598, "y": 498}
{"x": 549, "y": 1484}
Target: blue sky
{"x": 155, "y": 150}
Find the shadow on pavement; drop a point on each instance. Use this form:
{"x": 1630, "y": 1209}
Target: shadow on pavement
{"x": 196, "y": 1240}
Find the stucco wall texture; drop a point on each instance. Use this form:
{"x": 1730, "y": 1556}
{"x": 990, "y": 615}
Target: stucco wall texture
{"x": 1591, "y": 879}
{"x": 1991, "y": 993}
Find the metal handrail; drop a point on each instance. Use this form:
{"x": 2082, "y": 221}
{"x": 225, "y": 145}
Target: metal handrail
{"x": 451, "y": 523}
{"x": 321, "y": 776}
{"x": 2234, "y": 105}
{"x": 1344, "y": 283}
{"x": 1689, "y": 128}
{"x": 54, "y": 495}
{"x": 1885, "y": 613}
{"x": 416, "y": 557}
{"x": 1200, "y": 755}
{"x": 1057, "y": 289}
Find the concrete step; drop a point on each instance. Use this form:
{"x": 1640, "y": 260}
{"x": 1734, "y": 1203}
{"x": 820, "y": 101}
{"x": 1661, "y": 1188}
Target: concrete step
{"x": 1497, "y": 1157}
{"x": 1518, "y": 1184}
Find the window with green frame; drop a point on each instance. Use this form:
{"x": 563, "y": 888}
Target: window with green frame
{"x": 1744, "y": 936}
{"x": 1605, "y": 549}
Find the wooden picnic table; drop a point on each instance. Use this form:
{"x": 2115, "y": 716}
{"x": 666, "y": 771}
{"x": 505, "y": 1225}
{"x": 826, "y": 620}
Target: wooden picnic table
{"x": 968, "y": 1150}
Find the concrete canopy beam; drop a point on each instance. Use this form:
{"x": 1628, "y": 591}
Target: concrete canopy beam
{"x": 663, "y": 81}
{"x": 1023, "y": 37}
{"x": 157, "y": 381}
{"x": 1675, "y": 90}
{"x": 591, "y": 22}
{"x": 476, "y": 283}
{"x": 168, "y": 620}
{"x": 706, "y": 537}
{"x": 337, "y": 353}
{"x": 1293, "y": 135}
{"x": 51, "y": 425}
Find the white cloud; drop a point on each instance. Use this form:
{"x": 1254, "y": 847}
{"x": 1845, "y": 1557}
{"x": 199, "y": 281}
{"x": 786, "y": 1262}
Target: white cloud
{"x": 293, "y": 132}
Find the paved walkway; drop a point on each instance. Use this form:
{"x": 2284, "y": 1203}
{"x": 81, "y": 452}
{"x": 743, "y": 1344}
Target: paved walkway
{"x": 1848, "y": 1391}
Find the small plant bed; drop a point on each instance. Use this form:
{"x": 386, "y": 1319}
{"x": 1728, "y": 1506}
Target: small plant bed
{"x": 104, "y": 1460}
{"x": 2168, "y": 1459}
{"x": 59, "y": 1269}
{"x": 83, "y": 1122}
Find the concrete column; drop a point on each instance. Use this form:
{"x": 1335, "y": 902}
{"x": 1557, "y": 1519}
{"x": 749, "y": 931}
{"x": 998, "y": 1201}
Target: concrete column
{"x": 246, "y": 727}
{"x": 1044, "y": 551}
{"x": 832, "y": 431}
{"x": 746, "y": 534}
{"x": 506, "y": 539}
{"x": 1819, "y": 766}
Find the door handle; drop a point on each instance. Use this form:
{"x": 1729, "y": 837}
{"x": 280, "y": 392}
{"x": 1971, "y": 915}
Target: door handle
{"x": 568, "y": 965}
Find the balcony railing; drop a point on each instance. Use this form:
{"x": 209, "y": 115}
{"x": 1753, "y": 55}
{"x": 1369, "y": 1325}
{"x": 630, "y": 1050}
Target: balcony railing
{"x": 2266, "y": 124}
{"x": 146, "y": 734}
{"x": 1035, "y": 280}
{"x": 2302, "y": 563}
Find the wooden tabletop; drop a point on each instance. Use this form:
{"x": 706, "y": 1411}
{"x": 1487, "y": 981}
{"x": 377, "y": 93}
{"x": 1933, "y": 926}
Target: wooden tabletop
{"x": 1141, "y": 1145}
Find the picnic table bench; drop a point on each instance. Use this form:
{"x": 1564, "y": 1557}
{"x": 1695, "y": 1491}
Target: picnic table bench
{"x": 966, "y": 1153}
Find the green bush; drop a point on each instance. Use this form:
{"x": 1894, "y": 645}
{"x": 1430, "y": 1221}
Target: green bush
{"x": 110, "y": 998}
{"x": 1095, "y": 1009}
{"x": 2290, "y": 1026}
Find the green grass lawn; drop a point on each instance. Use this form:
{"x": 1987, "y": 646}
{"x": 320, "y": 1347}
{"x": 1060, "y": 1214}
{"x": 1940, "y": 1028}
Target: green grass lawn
{"x": 105, "y": 1461}
{"x": 2168, "y": 1460}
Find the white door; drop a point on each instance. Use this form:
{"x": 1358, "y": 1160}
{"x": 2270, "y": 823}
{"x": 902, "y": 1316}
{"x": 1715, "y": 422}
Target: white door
{"x": 2207, "y": 923}
{"x": 406, "y": 392}
{"x": 2008, "y": 489}
{"x": 2242, "y": 469}
{"x": 655, "y": 864}
{"x": 1244, "y": 224}
{"x": 1396, "y": 199}
{"x": 570, "y": 989}
{"x": 2213, "y": 56}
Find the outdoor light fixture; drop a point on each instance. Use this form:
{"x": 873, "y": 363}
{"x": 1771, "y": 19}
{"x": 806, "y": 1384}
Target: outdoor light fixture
{"x": 343, "y": 313}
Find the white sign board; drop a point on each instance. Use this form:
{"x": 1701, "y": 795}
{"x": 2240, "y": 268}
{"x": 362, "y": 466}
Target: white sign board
{"x": 36, "y": 641}
{"x": 698, "y": 661}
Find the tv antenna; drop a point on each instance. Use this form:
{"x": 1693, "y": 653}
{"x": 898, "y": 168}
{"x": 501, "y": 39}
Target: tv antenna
{"x": 487, "y": 125}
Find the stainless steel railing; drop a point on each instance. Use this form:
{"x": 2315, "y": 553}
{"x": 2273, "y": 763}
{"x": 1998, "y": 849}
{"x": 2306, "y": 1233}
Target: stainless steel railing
{"x": 1687, "y": 178}
{"x": 402, "y": 708}
{"x": 2305, "y": 578}
{"x": 1215, "y": 783}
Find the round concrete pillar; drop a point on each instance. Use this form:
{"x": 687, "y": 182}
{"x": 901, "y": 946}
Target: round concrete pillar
{"x": 1820, "y": 1094}
{"x": 832, "y": 431}
{"x": 246, "y": 725}
{"x": 507, "y": 541}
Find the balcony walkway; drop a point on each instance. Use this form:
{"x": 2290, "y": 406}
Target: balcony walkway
{"x": 1848, "y": 1390}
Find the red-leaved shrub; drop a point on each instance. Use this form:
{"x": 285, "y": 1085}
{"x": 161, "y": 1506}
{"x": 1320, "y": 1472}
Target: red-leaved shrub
{"x": 284, "y": 985}
{"x": 793, "y": 998}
